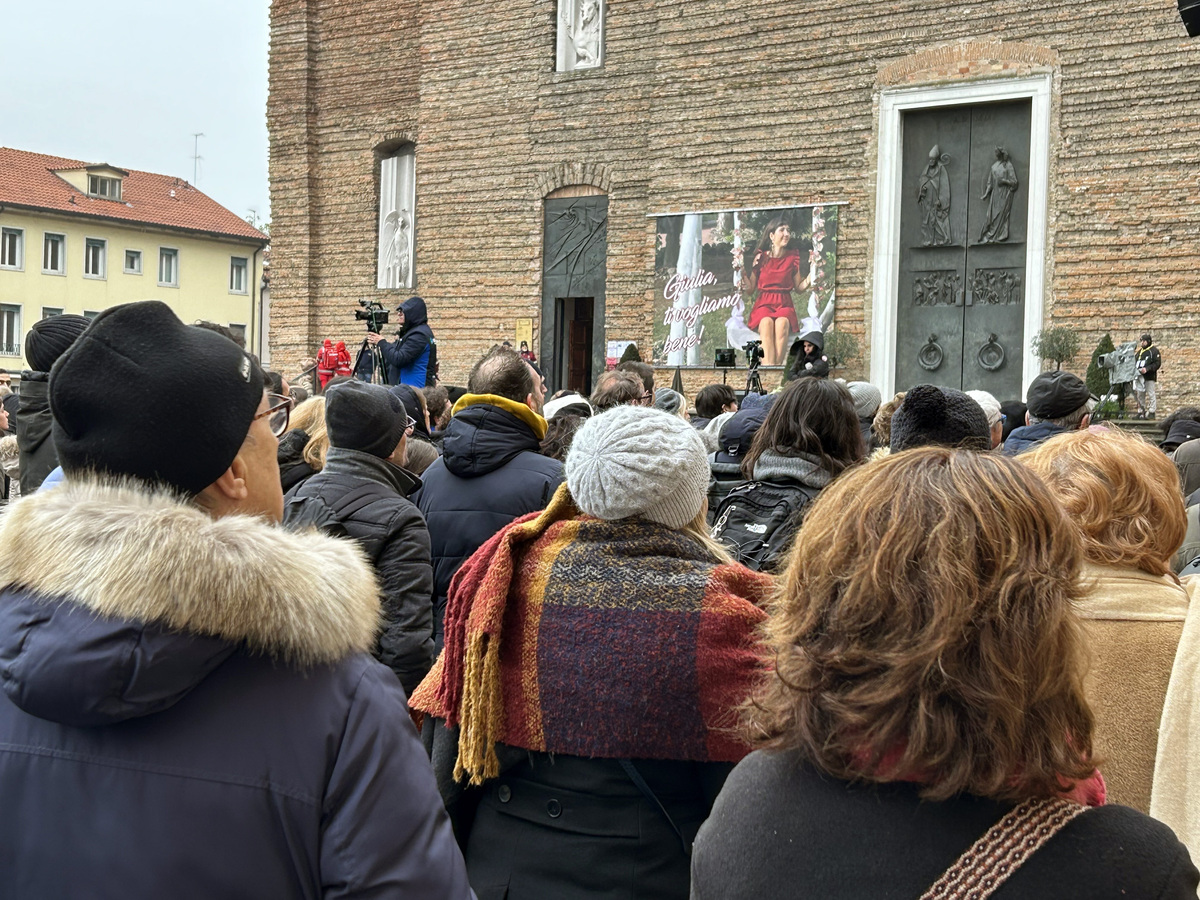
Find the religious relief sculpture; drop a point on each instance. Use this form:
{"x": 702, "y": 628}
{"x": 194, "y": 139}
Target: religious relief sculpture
{"x": 395, "y": 245}
{"x": 998, "y": 191}
{"x": 397, "y": 200}
{"x": 580, "y": 34}
{"x": 937, "y": 288}
{"x": 933, "y": 195}
{"x": 998, "y": 287}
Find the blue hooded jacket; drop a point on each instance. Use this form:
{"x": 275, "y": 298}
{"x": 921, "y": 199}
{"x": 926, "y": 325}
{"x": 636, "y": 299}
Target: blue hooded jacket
{"x": 407, "y": 358}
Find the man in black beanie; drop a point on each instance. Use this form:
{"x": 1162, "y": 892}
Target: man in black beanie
{"x": 45, "y": 342}
{"x": 362, "y": 492}
{"x": 186, "y": 687}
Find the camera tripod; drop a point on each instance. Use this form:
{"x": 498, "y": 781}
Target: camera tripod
{"x": 754, "y": 383}
{"x": 375, "y": 355}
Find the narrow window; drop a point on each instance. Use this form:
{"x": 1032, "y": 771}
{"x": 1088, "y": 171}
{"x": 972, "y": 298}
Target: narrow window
{"x": 133, "y": 262}
{"x": 49, "y": 312}
{"x": 237, "y": 274}
{"x": 239, "y": 331}
{"x": 397, "y": 201}
{"x": 10, "y": 329}
{"x": 54, "y": 258}
{"x": 12, "y": 248}
{"x": 95, "y": 253}
{"x": 168, "y": 267}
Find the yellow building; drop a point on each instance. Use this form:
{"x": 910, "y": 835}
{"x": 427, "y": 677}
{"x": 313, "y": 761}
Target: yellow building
{"x": 78, "y": 237}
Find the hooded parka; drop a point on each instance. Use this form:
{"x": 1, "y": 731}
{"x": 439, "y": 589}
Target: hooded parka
{"x": 188, "y": 711}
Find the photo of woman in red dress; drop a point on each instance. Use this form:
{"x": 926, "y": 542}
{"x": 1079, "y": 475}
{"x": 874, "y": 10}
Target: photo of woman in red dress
{"x": 776, "y": 271}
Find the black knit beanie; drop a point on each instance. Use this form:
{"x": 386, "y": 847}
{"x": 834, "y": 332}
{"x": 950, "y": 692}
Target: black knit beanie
{"x": 941, "y": 417}
{"x": 48, "y": 339}
{"x": 366, "y": 417}
{"x": 141, "y": 394}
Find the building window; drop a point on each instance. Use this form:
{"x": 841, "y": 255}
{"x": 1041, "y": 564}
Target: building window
{"x": 239, "y": 332}
{"x": 133, "y": 262}
{"x": 54, "y": 257}
{"x": 90, "y": 314}
{"x": 95, "y": 258}
{"x": 397, "y": 200}
{"x": 580, "y": 35}
{"x": 237, "y": 274}
{"x": 49, "y": 312}
{"x": 168, "y": 267}
{"x": 10, "y": 329}
{"x": 12, "y": 248}
{"x": 105, "y": 188}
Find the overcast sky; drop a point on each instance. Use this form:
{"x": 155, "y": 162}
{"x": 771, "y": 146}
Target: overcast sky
{"x": 127, "y": 82}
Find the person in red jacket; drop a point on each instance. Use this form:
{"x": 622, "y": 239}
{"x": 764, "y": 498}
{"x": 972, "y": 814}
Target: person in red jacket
{"x": 343, "y": 360}
{"x": 326, "y": 362}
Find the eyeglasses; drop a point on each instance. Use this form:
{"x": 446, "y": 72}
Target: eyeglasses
{"x": 278, "y": 412}
{"x": 412, "y": 423}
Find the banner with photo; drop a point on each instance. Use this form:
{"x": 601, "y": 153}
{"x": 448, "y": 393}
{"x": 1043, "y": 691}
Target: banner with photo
{"x": 723, "y": 278}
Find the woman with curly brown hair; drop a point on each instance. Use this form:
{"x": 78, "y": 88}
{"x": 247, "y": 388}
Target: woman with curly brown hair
{"x": 1123, "y": 495}
{"x": 928, "y": 691}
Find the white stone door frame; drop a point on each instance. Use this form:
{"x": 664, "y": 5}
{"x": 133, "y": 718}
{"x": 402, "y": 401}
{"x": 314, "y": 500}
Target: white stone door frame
{"x": 885, "y": 295}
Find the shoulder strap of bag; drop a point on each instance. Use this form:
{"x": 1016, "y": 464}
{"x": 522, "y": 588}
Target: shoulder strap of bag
{"x": 989, "y": 862}
{"x": 636, "y": 777}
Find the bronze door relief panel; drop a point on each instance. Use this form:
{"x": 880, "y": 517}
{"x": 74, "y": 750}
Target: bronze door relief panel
{"x": 963, "y": 217}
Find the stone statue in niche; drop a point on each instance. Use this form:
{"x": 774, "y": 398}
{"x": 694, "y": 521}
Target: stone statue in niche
{"x": 933, "y": 195}
{"x": 579, "y": 41}
{"x": 397, "y": 262}
{"x": 998, "y": 191}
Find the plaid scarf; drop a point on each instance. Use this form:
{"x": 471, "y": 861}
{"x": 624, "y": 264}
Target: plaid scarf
{"x": 569, "y": 634}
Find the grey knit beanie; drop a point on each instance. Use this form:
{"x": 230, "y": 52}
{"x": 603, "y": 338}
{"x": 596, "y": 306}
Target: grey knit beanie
{"x": 866, "y": 398}
{"x": 636, "y": 461}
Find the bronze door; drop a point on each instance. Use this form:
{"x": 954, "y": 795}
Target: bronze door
{"x": 961, "y": 303}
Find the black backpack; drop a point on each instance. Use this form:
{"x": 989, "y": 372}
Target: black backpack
{"x": 758, "y": 520}
{"x": 431, "y": 367}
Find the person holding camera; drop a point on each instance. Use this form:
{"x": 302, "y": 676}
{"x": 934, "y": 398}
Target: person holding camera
{"x": 1145, "y": 383}
{"x": 408, "y": 358}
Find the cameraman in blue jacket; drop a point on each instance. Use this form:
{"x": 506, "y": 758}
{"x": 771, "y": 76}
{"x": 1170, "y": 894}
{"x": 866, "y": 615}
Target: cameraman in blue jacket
{"x": 409, "y": 357}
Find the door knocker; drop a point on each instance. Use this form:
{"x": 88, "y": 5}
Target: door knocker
{"x": 930, "y": 357}
{"x": 991, "y": 355}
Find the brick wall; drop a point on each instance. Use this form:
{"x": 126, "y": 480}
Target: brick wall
{"x": 702, "y": 105}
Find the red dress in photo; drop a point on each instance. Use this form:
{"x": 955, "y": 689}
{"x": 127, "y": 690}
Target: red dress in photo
{"x": 776, "y": 279}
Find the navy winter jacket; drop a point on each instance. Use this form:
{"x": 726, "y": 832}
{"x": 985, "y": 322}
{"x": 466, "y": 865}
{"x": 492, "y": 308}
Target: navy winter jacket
{"x": 188, "y": 712}
{"x": 1027, "y": 436}
{"x": 490, "y": 473}
{"x": 407, "y": 358}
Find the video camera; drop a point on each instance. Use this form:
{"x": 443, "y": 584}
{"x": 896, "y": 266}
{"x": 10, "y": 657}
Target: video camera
{"x": 373, "y": 313}
{"x": 754, "y": 353}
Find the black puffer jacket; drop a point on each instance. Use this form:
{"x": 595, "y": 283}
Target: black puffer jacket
{"x": 366, "y": 496}
{"x": 38, "y": 456}
{"x": 490, "y": 472}
{"x": 293, "y": 468}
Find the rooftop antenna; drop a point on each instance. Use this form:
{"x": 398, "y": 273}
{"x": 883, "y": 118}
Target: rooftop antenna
{"x": 196, "y": 157}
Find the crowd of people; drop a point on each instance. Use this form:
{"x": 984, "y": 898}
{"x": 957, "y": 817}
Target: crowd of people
{"x": 417, "y": 641}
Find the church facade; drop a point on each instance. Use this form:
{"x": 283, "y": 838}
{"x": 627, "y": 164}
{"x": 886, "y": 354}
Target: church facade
{"x": 955, "y": 177}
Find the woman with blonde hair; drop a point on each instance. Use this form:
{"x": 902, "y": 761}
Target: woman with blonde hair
{"x": 302, "y": 449}
{"x": 596, "y": 653}
{"x": 928, "y": 693}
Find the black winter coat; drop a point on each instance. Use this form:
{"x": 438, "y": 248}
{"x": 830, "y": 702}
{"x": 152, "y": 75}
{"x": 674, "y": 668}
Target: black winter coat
{"x": 490, "y": 473}
{"x": 392, "y": 532}
{"x": 197, "y": 717}
{"x": 293, "y": 468}
{"x": 38, "y": 455}
{"x": 781, "y": 830}
{"x": 621, "y": 844}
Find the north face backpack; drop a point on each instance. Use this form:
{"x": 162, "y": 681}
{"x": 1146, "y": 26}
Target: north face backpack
{"x": 758, "y": 520}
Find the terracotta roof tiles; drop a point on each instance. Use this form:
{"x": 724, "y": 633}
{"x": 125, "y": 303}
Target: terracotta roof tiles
{"x": 29, "y": 180}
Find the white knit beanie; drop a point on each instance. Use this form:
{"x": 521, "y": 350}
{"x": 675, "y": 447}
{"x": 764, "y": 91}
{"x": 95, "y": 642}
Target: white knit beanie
{"x": 637, "y": 461}
{"x": 989, "y": 404}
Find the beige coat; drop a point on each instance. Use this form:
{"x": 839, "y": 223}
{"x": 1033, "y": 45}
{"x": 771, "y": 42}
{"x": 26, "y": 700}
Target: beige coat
{"x": 1134, "y": 621}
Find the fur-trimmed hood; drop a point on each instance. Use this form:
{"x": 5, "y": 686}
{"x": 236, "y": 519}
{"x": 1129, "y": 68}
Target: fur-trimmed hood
{"x": 102, "y": 579}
